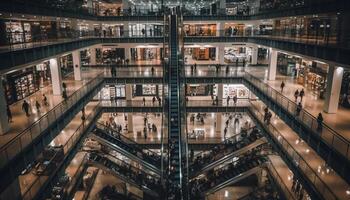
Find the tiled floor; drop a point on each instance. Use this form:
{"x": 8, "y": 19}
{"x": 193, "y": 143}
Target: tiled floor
{"x": 340, "y": 121}
{"x": 317, "y": 164}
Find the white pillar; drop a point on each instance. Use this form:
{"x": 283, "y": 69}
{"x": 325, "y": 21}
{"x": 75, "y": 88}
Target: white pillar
{"x": 220, "y": 28}
{"x": 220, "y": 54}
{"x": 218, "y": 122}
{"x": 220, "y": 91}
{"x": 272, "y": 65}
{"x": 93, "y": 56}
{"x": 56, "y": 76}
{"x": 334, "y": 80}
{"x": 128, "y": 92}
{"x": 127, "y": 54}
{"x": 126, "y": 29}
{"x": 4, "y": 125}
{"x": 254, "y": 56}
{"x": 77, "y": 65}
{"x": 130, "y": 123}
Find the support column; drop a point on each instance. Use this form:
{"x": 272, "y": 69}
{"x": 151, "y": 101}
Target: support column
{"x": 220, "y": 29}
{"x": 254, "y": 56}
{"x": 56, "y": 76}
{"x": 130, "y": 123}
{"x": 272, "y": 65}
{"x": 126, "y": 29}
{"x": 220, "y": 54}
{"x": 128, "y": 92}
{"x": 127, "y": 54}
{"x": 218, "y": 122}
{"x": 334, "y": 80}
{"x": 77, "y": 65}
{"x": 220, "y": 91}
{"x": 4, "y": 124}
{"x": 93, "y": 56}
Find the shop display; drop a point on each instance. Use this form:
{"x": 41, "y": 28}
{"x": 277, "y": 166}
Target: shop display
{"x": 234, "y": 54}
{"x": 112, "y": 92}
{"x": 149, "y": 89}
{"x": 236, "y": 90}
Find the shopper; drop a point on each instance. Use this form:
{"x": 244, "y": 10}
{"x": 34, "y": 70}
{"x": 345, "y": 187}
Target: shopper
{"x": 152, "y": 70}
{"x": 298, "y": 110}
{"x": 45, "y": 103}
{"x": 64, "y": 95}
{"x": 236, "y": 61}
{"x": 144, "y": 101}
{"x": 217, "y": 100}
{"x": 235, "y": 99}
{"x": 243, "y": 62}
{"x": 319, "y": 122}
{"x": 195, "y": 67}
{"x": 228, "y": 100}
{"x": 159, "y": 101}
{"x": 225, "y": 132}
{"x": 227, "y": 69}
{"x": 282, "y": 86}
{"x": 301, "y": 94}
{"x": 64, "y": 86}
{"x": 37, "y": 106}
{"x": 25, "y": 107}
{"x": 9, "y": 114}
{"x": 192, "y": 68}
{"x": 153, "y": 100}
{"x": 296, "y": 94}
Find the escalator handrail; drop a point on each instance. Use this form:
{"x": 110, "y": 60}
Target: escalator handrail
{"x": 130, "y": 141}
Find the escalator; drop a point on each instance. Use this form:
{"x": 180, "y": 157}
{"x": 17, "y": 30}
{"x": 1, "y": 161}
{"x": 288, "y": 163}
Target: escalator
{"x": 127, "y": 147}
{"x": 219, "y": 155}
{"x": 233, "y": 172}
{"x": 177, "y": 152}
{"x": 148, "y": 183}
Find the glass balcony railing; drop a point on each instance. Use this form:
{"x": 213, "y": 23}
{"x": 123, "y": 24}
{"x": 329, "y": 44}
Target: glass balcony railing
{"x": 41, "y": 181}
{"x": 27, "y": 136}
{"x": 303, "y": 165}
{"x": 327, "y": 134}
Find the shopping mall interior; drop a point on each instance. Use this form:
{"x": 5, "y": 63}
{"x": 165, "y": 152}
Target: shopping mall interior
{"x": 175, "y": 100}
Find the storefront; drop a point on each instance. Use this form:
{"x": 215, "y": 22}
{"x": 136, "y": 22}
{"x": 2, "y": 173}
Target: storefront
{"x": 142, "y": 30}
{"x": 112, "y": 30}
{"x": 16, "y": 32}
{"x": 204, "y": 53}
{"x": 111, "y": 55}
{"x": 147, "y": 90}
{"x": 66, "y": 63}
{"x": 22, "y": 83}
{"x": 199, "y": 90}
{"x": 110, "y": 92}
{"x": 238, "y": 90}
{"x": 288, "y": 65}
{"x": 200, "y": 29}
{"x": 234, "y": 54}
{"x": 143, "y": 54}
{"x": 234, "y": 29}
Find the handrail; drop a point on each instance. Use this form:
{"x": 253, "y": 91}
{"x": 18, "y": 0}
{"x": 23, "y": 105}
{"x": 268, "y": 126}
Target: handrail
{"x": 304, "y": 116}
{"x": 313, "y": 177}
{"x": 129, "y": 141}
{"x": 66, "y": 147}
{"x": 279, "y": 179}
{"x": 51, "y": 115}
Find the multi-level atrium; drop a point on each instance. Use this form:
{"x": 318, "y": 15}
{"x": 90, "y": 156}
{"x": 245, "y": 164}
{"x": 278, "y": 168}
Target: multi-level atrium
{"x": 177, "y": 100}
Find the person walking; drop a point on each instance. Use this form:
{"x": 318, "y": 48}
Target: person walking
{"x": 37, "y": 106}
{"x": 301, "y": 94}
{"x": 195, "y": 67}
{"x": 153, "y": 100}
{"x": 282, "y": 86}
{"x": 64, "y": 86}
{"x": 144, "y": 101}
{"x": 296, "y": 94}
{"x": 235, "y": 99}
{"x": 298, "y": 110}
{"x": 25, "y": 107}
{"x": 152, "y": 70}
{"x": 319, "y": 122}
{"x": 225, "y": 132}
{"x": 64, "y": 95}
{"x": 9, "y": 114}
{"x": 228, "y": 100}
{"x": 45, "y": 103}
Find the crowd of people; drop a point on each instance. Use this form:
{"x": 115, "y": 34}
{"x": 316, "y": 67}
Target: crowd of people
{"x": 129, "y": 172}
{"x": 212, "y": 178}
{"x": 221, "y": 151}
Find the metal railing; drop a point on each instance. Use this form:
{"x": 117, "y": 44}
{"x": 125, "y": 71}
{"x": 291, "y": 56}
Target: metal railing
{"x": 327, "y": 134}
{"x": 129, "y": 103}
{"x": 279, "y": 180}
{"x": 9, "y": 150}
{"x": 312, "y": 175}
{"x": 41, "y": 181}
